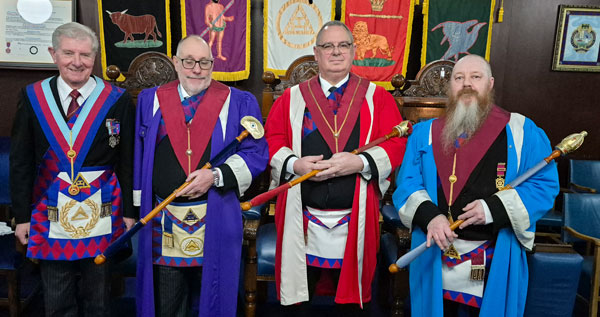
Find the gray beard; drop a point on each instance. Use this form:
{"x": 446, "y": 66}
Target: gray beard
{"x": 464, "y": 119}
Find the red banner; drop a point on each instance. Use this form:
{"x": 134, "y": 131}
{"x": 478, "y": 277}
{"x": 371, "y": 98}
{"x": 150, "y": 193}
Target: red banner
{"x": 381, "y": 30}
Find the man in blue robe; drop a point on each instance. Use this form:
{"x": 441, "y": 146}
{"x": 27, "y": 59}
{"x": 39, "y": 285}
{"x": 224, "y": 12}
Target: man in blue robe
{"x": 189, "y": 254}
{"x": 452, "y": 169}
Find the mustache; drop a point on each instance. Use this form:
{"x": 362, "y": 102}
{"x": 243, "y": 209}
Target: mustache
{"x": 468, "y": 91}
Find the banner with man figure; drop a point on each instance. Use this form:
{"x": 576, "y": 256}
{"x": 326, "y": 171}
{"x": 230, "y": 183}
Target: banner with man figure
{"x": 290, "y": 30}
{"x": 381, "y": 31}
{"x": 131, "y": 27}
{"x": 454, "y": 28}
{"x": 225, "y": 25}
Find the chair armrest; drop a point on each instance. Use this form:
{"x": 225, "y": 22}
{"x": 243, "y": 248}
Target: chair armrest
{"x": 252, "y": 220}
{"x": 391, "y": 217}
{"x": 582, "y": 189}
{"x": 582, "y": 236}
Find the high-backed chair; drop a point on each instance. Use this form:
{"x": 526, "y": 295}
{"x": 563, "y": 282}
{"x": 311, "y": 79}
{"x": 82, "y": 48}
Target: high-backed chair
{"x": 582, "y": 222}
{"x": 584, "y": 176}
{"x": 145, "y": 71}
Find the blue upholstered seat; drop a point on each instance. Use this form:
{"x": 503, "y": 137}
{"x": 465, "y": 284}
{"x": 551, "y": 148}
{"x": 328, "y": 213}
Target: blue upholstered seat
{"x": 582, "y": 222}
{"x": 584, "y": 175}
{"x": 553, "y": 283}
{"x": 266, "y": 238}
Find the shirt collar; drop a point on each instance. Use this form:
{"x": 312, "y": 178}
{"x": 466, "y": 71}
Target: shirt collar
{"x": 325, "y": 85}
{"x": 64, "y": 90}
{"x": 183, "y": 94}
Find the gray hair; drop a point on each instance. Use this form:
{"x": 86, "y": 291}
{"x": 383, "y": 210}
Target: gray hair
{"x": 334, "y": 23}
{"x": 192, "y": 36}
{"x": 74, "y": 30}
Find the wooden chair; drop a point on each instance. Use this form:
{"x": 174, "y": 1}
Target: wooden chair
{"x": 147, "y": 70}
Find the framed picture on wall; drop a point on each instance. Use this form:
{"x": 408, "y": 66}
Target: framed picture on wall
{"x": 577, "y": 44}
{"x": 26, "y": 28}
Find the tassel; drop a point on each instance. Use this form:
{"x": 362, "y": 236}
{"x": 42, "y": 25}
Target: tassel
{"x": 52, "y": 214}
{"x": 477, "y": 272}
{"x": 106, "y": 210}
{"x": 168, "y": 240}
{"x": 501, "y": 12}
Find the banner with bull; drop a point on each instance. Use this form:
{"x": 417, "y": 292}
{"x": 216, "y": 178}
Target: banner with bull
{"x": 381, "y": 31}
{"x": 452, "y": 29}
{"x": 131, "y": 27}
{"x": 290, "y": 30}
{"x": 225, "y": 25}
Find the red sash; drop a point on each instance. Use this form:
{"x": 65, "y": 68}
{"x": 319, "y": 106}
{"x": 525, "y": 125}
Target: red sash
{"x": 469, "y": 154}
{"x": 202, "y": 125}
{"x": 325, "y": 120}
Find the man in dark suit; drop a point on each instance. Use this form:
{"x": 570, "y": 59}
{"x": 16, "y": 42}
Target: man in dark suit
{"x": 71, "y": 173}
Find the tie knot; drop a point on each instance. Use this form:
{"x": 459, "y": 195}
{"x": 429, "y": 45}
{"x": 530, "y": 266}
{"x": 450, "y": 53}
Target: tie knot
{"x": 332, "y": 89}
{"x": 74, "y": 94}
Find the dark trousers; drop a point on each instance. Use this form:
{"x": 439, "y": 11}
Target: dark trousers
{"x": 59, "y": 281}
{"x": 313, "y": 277}
{"x": 454, "y": 309}
{"x": 177, "y": 290}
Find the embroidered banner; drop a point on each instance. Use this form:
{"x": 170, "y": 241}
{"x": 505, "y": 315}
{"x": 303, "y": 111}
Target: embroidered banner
{"x": 381, "y": 31}
{"x": 290, "y": 30}
{"x": 131, "y": 27}
{"x": 224, "y": 24}
{"x": 456, "y": 28}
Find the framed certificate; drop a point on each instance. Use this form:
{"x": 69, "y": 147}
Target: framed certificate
{"x": 26, "y": 34}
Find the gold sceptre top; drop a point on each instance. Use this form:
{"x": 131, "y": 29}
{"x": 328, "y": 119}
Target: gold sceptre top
{"x": 571, "y": 142}
{"x": 404, "y": 128}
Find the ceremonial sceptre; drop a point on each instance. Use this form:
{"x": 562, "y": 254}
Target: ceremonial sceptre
{"x": 566, "y": 146}
{"x": 253, "y": 127}
{"x": 404, "y": 128}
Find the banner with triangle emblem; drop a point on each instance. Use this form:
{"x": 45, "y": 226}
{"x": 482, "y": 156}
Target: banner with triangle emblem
{"x": 290, "y": 30}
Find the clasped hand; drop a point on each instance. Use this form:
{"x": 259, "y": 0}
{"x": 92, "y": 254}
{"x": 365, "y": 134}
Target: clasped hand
{"x": 340, "y": 164}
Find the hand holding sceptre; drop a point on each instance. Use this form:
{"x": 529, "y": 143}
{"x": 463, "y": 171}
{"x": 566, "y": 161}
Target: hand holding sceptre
{"x": 400, "y": 130}
{"x": 566, "y": 146}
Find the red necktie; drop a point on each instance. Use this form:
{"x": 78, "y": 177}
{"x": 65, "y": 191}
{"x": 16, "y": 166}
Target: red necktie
{"x": 74, "y": 105}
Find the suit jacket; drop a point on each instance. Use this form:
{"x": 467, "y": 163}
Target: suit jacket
{"x": 29, "y": 144}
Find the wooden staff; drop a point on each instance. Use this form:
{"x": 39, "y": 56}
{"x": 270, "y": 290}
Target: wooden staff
{"x": 402, "y": 129}
{"x": 253, "y": 127}
{"x": 567, "y": 145}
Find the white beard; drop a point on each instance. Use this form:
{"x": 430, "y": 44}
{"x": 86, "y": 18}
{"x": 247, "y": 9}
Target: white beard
{"x": 465, "y": 119}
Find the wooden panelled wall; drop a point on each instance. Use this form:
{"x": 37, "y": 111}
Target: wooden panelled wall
{"x": 521, "y": 57}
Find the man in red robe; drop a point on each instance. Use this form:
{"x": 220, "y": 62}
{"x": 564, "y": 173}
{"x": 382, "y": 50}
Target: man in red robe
{"x": 328, "y": 226}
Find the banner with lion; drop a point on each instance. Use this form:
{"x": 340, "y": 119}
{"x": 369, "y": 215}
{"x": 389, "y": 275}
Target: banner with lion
{"x": 381, "y": 30}
{"x": 131, "y": 27}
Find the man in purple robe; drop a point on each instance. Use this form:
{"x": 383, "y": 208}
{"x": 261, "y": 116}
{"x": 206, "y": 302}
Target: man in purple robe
{"x": 189, "y": 255}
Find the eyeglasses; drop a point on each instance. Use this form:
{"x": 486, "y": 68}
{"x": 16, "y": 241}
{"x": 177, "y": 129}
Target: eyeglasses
{"x": 343, "y": 47}
{"x": 189, "y": 63}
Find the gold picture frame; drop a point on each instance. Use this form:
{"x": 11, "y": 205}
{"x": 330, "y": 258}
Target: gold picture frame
{"x": 577, "y": 43}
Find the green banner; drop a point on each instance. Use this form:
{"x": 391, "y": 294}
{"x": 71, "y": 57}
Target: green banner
{"x": 454, "y": 28}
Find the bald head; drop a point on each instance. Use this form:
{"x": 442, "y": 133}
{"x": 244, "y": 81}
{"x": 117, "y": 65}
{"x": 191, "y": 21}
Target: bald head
{"x": 476, "y": 60}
